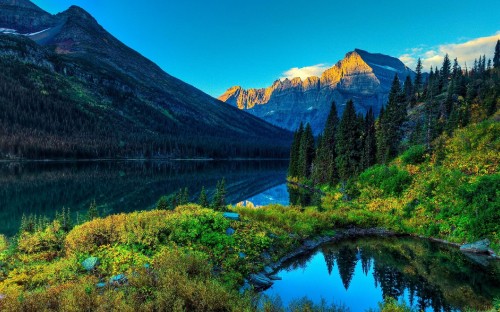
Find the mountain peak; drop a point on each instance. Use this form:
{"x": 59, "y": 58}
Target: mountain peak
{"x": 21, "y": 3}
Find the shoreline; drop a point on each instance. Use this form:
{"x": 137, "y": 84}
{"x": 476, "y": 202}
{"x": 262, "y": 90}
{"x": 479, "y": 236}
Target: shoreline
{"x": 265, "y": 278}
{"x": 134, "y": 160}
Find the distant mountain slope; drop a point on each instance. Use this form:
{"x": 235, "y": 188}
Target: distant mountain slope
{"x": 362, "y": 76}
{"x": 119, "y": 102}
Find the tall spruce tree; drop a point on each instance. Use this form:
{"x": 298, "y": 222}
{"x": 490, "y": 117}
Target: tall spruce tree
{"x": 203, "y": 200}
{"x": 445, "y": 73}
{"x": 390, "y": 124}
{"x": 418, "y": 78}
{"x": 306, "y": 154}
{"x": 293, "y": 170}
{"x": 324, "y": 170}
{"x": 348, "y": 145}
{"x": 369, "y": 141}
{"x": 496, "y": 57}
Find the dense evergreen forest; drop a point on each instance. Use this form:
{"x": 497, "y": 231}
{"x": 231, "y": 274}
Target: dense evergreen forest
{"x": 419, "y": 116}
{"x": 57, "y": 106}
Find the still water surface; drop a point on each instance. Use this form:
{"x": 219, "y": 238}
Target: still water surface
{"x": 360, "y": 273}
{"x": 42, "y": 188}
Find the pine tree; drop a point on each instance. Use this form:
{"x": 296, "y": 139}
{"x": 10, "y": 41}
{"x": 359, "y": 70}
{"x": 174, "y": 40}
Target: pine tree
{"x": 219, "y": 200}
{"x": 324, "y": 170}
{"x": 306, "y": 154}
{"x": 348, "y": 145}
{"x": 369, "y": 141}
{"x": 496, "y": 57}
{"x": 445, "y": 73}
{"x": 390, "y": 124}
{"x": 418, "y": 78}
{"x": 93, "y": 212}
{"x": 409, "y": 92}
{"x": 293, "y": 169}
{"x": 203, "y": 200}
{"x": 162, "y": 203}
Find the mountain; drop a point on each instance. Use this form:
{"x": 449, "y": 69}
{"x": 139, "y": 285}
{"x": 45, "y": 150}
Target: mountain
{"x": 361, "y": 76}
{"x": 71, "y": 89}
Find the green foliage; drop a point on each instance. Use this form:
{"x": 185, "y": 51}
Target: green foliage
{"x": 93, "y": 212}
{"x": 162, "y": 203}
{"x": 391, "y": 180}
{"x": 203, "y": 200}
{"x": 219, "y": 200}
{"x": 482, "y": 199}
{"x": 414, "y": 155}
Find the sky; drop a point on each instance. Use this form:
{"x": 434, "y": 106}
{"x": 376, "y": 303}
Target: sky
{"x": 216, "y": 44}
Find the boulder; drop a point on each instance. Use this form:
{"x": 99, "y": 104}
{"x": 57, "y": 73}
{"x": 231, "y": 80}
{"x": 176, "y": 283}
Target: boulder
{"x": 481, "y": 246}
{"x": 246, "y": 287}
{"x": 242, "y": 255}
{"x": 119, "y": 279}
{"x": 231, "y": 216}
{"x": 230, "y": 231}
{"x": 274, "y": 277}
{"x": 101, "y": 285}
{"x": 260, "y": 280}
{"x": 268, "y": 270}
{"x": 90, "y": 263}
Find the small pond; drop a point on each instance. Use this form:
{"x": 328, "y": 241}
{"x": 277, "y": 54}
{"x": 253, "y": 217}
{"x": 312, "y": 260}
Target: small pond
{"x": 359, "y": 273}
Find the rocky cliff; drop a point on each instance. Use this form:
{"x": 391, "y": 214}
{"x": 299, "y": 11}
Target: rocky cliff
{"x": 361, "y": 76}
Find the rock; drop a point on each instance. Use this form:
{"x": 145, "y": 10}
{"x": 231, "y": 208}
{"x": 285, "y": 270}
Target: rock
{"x": 364, "y": 76}
{"x": 478, "y": 258}
{"x": 242, "y": 255}
{"x": 310, "y": 244}
{"x": 118, "y": 280}
{"x": 246, "y": 287}
{"x": 230, "y": 231}
{"x": 268, "y": 270}
{"x": 232, "y": 216}
{"x": 260, "y": 280}
{"x": 275, "y": 277}
{"x": 266, "y": 256}
{"x": 481, "y": 246}
{"x": 90, "y": 263}
{"x": 101, "y": 285}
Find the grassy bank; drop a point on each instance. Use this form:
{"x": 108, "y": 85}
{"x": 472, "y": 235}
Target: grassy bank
{"x": 194, "y": 259}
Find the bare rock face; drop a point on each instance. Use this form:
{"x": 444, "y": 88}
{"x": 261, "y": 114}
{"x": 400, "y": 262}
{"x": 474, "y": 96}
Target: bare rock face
{"x": 361, "y": 76}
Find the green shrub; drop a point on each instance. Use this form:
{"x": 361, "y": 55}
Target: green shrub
{"x": 391, "y": 180}
{"x": 482, "y": 201}
{"x": 414, "y": 155}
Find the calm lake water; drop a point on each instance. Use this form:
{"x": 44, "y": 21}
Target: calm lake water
{"x": 360, "y": 273}
{"x": 42, "y": 188}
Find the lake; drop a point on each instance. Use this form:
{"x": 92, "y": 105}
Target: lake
{"x": 359, "y": 273}
{"x": 42, "y": 188}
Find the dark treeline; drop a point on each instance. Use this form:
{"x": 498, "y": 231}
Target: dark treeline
{"x": 417, "y": 113}
{"x": 47, "y": 114}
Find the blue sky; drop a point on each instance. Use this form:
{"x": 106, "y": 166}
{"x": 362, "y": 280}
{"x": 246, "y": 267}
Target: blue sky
{"x": 215, "y": 44}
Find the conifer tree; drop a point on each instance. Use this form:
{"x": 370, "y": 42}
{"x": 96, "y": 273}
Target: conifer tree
{"x": 293, "y": 169}
{"x": 219, "y": 200}
{"x": 203, "y": 200}
{"x": 496, "y": 57}
{"x": 162, "y": 203}
{"x": 418, "y": 78}
{"x": 93, "y": 212}
{"x": 348, "y": 145}
{"x": 445, "y": 73}
{"x": 306, "y": 154}
{"x": 390, "y": 124}
{"x": 369, "y": 142}
{"x": 324, "y": 170}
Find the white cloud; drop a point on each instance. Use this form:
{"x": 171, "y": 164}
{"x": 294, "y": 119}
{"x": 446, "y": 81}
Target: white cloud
{"x": 465, "y": 52}
{"x": 305, "y": 72}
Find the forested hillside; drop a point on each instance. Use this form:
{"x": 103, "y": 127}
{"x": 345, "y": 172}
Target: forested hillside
{"x": 428, "y": 165}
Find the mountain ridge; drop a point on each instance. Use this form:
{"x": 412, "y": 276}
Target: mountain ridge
{"x": 362, "y": 76}
{"x": 120, "y": 85}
